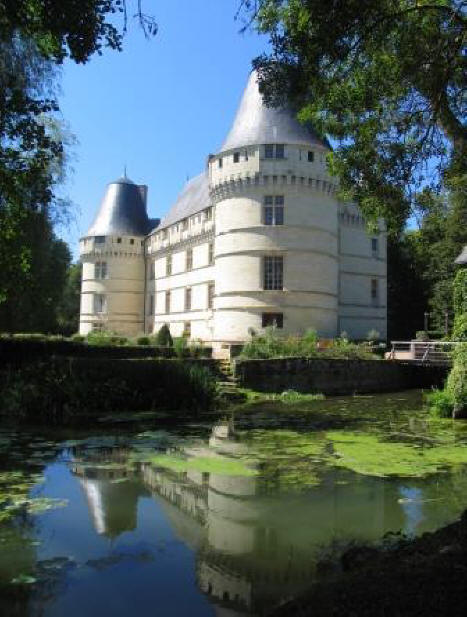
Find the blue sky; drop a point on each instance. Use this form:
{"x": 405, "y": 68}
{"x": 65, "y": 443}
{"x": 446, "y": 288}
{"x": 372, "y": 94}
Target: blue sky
{"x": 160, "y": 106}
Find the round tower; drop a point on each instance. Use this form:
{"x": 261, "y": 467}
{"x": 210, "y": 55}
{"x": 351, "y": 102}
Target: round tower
{"x": 112, "y": 254}
{"x": 276, "y": 244}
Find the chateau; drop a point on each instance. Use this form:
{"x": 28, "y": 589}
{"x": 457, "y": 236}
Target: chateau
{"x": 258, "y": 239}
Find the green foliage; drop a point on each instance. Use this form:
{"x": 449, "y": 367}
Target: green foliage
{"x": 163, "y": 336}
{"x": 58, "y": 390}
{"x": 459, "y": 329}
{"x": 384, "y": 79}
{"x": 460, "y": 292}
{"x": 271, "y": 345}
{"x": 180, "y": 346}
{"x": 422, "y": 335}
{"x": 78, "y": 338}
{"x": 440, "y": 403}
{"x": 143, "y": 340}
{"x": 103, "y": 338}
{"x": 69, "y": 304}
{"x": 456, "y": 384}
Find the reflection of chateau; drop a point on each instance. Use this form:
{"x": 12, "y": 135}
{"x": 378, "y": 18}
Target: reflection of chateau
{"x": 254, "y": 549}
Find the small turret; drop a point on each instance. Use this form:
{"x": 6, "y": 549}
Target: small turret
{"x": 112, "y": 254}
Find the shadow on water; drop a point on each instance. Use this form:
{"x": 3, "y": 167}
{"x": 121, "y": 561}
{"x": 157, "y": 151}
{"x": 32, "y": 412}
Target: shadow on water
{"x": 231, "y": 519}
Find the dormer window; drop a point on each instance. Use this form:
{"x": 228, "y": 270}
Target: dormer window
{"x": 219, "y": 162}
{"x": 236, "y": 157}
{"x": 99, "y": 239}
{"x": 311, "y": 156}
{"x": 119, "y": 240}
{"x": 132, "y": 241}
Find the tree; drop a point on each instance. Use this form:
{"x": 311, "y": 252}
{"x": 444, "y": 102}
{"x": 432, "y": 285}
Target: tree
{"x": 35, "y": 37}
{"x": 385, "y": 79}
{"x": 69, "y": 305}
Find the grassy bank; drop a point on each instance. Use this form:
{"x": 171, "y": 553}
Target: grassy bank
{"x": 425, "y": 576}
{"x": 62, "y": 390}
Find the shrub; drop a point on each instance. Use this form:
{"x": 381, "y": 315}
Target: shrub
{"x": 440, "y": 403}
{"x": 459, "y": 331}
{"x": 163, "y": 337}
{"x": 456, "y": 384}
{"x": 143, "y": 340}
{"x": 373, "y": 335}
{"x": 180, "y": 345}
{"x": 30, "y": 336}
{"x": 104, "y": 338}
{"x": 78, "y": 338}
{"x": 422, "y": 335}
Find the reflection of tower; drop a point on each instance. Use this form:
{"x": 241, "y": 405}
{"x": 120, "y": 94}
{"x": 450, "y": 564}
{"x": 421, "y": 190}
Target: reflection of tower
{"x": 112, "y": 499}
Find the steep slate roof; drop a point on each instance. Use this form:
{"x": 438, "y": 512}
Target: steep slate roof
{"x": 462, "y": 259}
{"x": 122, "y": 211}
{"x": 193, "y": 198}
{"x": 257, "y": 124}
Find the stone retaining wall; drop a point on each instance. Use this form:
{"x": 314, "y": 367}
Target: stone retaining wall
{"x": 335, "y": 376}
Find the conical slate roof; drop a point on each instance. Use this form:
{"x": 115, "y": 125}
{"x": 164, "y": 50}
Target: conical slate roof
{"x": 122, "y": 211}
{"x": 193, "y": 198}
{"x": 257, "y": 124}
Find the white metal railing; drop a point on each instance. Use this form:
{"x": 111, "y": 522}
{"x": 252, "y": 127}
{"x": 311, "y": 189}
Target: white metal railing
{"x": 434, "y": 352}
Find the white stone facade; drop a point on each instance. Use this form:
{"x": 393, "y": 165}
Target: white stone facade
{"x": 258, "y": 239}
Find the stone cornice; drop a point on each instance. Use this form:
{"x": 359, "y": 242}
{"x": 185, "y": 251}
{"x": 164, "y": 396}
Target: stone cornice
{"x": 234, "y": 186}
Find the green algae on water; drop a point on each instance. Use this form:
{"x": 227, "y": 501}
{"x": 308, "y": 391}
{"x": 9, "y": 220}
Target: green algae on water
{"x": 204, "y": 464}
{"x": 368, "y": 454}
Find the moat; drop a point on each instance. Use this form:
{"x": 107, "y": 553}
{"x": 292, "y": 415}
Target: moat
{"x": 226, "y": 516}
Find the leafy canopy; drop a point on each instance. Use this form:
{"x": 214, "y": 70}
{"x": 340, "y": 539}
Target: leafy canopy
{"x": 384, "y": 78}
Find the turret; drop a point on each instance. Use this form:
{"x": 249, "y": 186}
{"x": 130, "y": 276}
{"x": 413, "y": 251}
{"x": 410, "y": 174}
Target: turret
{"x": 112, "y": 254}
{"x": 276, "y": 249}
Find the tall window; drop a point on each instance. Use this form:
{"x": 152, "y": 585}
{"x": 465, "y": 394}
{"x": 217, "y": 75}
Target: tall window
{"x": 273, "y": 272}
{"x": 152, "y": 270}
{"x": 211, "y": 292}
{"x": 311, "y": 156}
{"x": 219, "y": 162}
{"x": 151, "y": 304}
{"x": 168, "y": 265}
{"x": 210, "y": 253}
{"x": 167, "y": 301}
{"x": 374, "y": 247}
{"x": 236, "y": 157}
{"x": 273, "y": 212}
{"x": 208, "y": 214}
{"x": 274, "y": 151}
{"x": 100, "y": 270}
{"x": 374, "y": 292}
{"x": 189, "y": 259}
{"x": 188, "y": 299}
{"x": 100, "y": 303}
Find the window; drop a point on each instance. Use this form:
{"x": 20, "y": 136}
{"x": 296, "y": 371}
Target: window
{"x": 152, "y": 270}
{"x": 273, "y": 210}
{"x": 189, "y": 259}
{"x": 311, "y": 156}
{"x": 100, "y": 303}
{"x": 210, "y": 253}
{"x": 100, "y": 270}
{"x": 99, "y": 239}
{"x": 119, "y": 240}
{"x": 374, "y": 292}
{"x": 187, "y": 329}
{"x": 184, "y": 224}
{"x": 132, "y": 241}
{"x": 168, "y": 265}
{"x": 167, "y": 301}
{"x": 219, "y": 162}
{"x": 273, "y": 270}
{"x": 188, "y": 299}
{"x": 246, "y": 155}
{"x": 274, "y": 151}
{"x": 151, "y": 304}
{"x": 374, "y": 247}
{"x": 211, "y": 291}
{"x": 208, "y": 214}
{"x": 236, "y": 157}
{"x": 276, "y": 320}
{"x": 269, "y": 151}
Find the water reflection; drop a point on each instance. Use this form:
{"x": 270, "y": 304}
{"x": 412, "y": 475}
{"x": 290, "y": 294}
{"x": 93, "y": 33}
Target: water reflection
{"x": 255, "y": 546}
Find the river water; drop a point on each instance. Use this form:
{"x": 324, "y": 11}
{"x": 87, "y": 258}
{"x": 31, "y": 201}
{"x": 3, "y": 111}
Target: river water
{"x": 227, "y": 517}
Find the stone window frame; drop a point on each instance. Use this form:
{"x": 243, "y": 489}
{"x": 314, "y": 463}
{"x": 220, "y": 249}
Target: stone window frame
{"x": 273, "y": 210}
{"x": 101, "y": 271}
{"x": 273, "y": 272}
{"x": 99, "y": 304}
